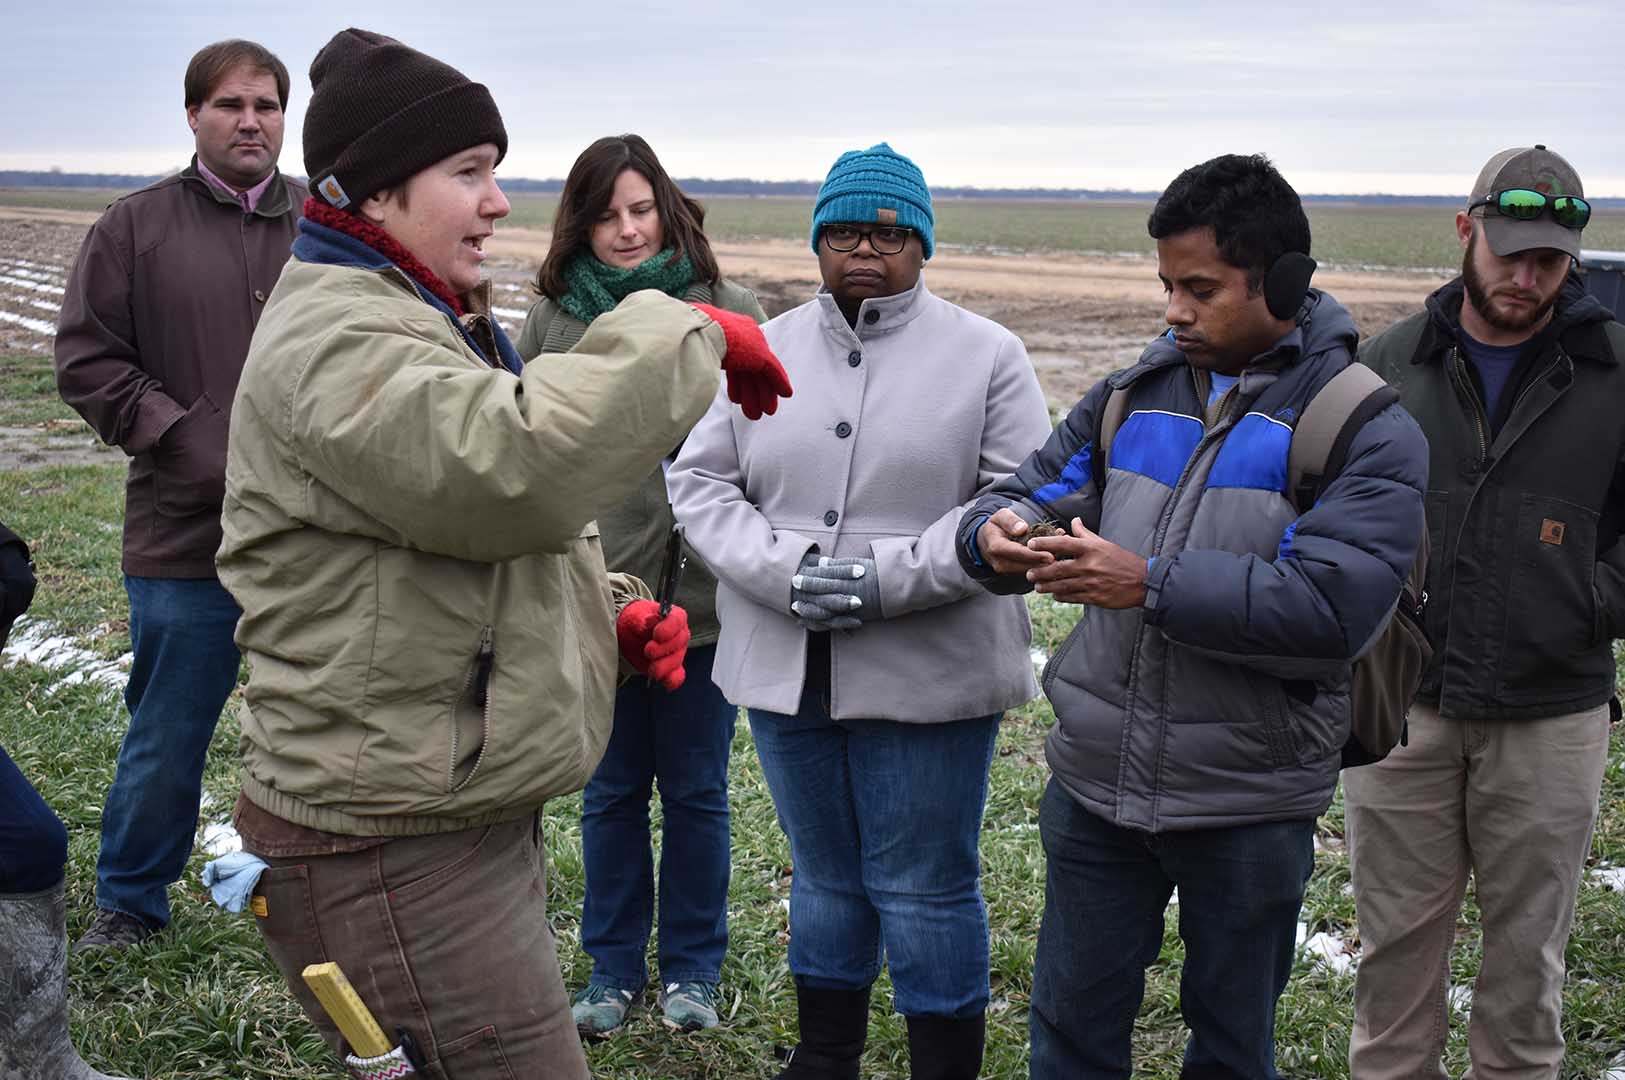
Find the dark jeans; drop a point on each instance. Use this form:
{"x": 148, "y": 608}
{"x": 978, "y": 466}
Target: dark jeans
{"x": 1106, "y": 889}
{"x": 883, "y": 820}
{"x": 185, "y": 667}
{"x": 681, "y": 742}
{"x": 33, "y": 843}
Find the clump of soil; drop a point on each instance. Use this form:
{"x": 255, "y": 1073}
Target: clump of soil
{"x": 1046, "y": 528}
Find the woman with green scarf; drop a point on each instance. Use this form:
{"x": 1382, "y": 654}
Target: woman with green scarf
{"x": 622, "y": 225}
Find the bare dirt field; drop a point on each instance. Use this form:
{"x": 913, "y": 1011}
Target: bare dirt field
{"x": 1080, "y": 316}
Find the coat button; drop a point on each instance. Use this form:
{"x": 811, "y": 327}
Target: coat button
{"x": 871, "y": 316}
{"x": 853, "y": 359}
{"x": 843, "y": 429}
{"x": 831, "y": 518}
{"x": 259, "y": 294}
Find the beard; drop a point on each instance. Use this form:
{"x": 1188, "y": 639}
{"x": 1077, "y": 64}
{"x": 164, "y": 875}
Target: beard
{"x": 1479, "y": 296}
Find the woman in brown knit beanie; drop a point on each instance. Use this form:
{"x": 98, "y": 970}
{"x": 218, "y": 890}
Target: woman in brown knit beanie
{"x": 431, "y": 632}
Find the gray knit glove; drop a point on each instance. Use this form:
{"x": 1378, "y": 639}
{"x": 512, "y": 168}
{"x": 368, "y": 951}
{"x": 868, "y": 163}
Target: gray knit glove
{"x": 835, "y": 594}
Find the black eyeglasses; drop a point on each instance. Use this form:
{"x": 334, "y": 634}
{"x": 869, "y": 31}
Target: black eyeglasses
{"x": 885, "y": 239}
{"x": 1526, "y": 204}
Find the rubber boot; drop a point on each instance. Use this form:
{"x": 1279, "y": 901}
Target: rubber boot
{"x": 945, "y": 1048}
{"x": 834, "y": 1024}
{"x": 34, "y": 1042}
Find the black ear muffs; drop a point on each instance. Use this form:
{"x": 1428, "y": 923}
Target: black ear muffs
{"x": 1286, "y": 282}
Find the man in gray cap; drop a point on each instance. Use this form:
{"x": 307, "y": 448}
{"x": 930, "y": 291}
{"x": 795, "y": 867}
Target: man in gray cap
{"x": 1514, "y": 373}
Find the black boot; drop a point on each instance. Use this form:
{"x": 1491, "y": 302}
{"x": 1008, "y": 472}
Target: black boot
{"x": 943, "y": 1048}
{"x": 834, "y": 1026}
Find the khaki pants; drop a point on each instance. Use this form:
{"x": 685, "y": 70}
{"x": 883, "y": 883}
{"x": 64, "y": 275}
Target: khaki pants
{"x": 1514, "y": 802}
{"x": 443, "y": 935}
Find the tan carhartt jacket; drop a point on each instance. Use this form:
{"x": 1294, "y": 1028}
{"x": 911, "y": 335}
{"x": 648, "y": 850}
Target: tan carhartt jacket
{"x": 410, "y": 534}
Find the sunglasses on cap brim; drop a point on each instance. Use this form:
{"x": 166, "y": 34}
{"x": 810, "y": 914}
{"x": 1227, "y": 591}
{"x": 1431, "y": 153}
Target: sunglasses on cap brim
{"x": 1526, "y": 204}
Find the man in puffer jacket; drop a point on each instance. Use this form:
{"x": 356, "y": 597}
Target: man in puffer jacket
{"x": 1202, "y": 701}
{"x": 408, "y": 528}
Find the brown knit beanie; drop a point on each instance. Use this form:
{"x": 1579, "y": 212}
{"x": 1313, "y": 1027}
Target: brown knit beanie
{"x": 381, "y": 112}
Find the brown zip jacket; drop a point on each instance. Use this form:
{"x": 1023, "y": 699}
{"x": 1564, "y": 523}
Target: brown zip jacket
{"x": 159, "y": 310}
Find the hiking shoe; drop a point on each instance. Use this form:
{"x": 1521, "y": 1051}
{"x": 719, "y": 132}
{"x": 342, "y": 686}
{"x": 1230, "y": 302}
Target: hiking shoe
{"x": 690, "y": 1006}
{"x": 113, "y": 930}
{"x": 599, "y": 1010}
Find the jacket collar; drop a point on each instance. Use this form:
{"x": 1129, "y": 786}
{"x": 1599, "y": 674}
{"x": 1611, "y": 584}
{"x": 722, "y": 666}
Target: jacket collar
{"x": 316, "y": 243}
{"x": 1323, "y": 325}
{"x": 1576, "y": 316}
{"x": 877, "y": 315}
{"x": 274, "y": 203}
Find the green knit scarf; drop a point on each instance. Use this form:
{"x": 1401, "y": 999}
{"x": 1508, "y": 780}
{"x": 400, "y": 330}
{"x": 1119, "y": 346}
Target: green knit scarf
{"x": 596, "y": 288}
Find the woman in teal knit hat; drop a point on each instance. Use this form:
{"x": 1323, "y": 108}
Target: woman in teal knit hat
{"x": 622, "y": 225}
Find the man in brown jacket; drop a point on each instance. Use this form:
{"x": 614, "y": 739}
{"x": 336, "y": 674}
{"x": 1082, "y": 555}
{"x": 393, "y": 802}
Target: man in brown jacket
{"x": 160, "y": 306}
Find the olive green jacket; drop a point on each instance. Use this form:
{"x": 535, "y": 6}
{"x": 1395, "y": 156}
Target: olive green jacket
{"x": 634, "y": 530}
{"x": 410, "y": 534}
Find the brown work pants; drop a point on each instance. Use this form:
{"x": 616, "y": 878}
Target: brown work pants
{"x": 1513, "y": 802}
{"x": 445, "y": 936}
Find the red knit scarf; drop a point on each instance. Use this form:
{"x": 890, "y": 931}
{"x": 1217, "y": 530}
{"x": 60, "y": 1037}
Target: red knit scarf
{"x": 384, "y": 244}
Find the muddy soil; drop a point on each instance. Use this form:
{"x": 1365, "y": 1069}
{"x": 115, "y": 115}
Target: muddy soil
{"x": 1079, "y": 316}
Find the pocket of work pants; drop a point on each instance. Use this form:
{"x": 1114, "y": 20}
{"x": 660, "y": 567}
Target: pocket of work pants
{"x": 286, "y": 917}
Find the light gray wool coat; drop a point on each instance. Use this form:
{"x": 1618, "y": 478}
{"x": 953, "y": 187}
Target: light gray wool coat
{"x": 893, "y": 430}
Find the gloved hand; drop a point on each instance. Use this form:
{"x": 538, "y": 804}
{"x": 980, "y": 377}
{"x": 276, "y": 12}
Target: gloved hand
{"x": 756, "y": 379}
{"x": 230, "y": 879}
{"x": 835, "y": 594}
{"x": 654, "y": 646}
{"x": 16, "y": 581}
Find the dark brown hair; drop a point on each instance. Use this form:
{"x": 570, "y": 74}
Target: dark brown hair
{"x": 587, "y": 191}
{"x": 214, "y": 62}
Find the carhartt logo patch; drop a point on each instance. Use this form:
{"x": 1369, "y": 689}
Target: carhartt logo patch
{"x": 886, "y": 217}
{"x": 1551, "y": 532}
{"x": 333, "y": 192}
{"x": 258, "y": 906}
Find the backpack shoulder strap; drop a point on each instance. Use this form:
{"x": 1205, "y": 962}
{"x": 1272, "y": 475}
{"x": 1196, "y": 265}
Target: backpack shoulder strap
{"x": 1108, "y": 418}
{"x": 1320, "y": 442}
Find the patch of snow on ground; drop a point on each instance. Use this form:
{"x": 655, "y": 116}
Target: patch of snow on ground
{"x": 221, "y": 840}
{"x": 1331, "y": 951}
{"x": 39, "y": 326}
{"x": 1609, "y": 877}
{"x": 37, "y": 286}
{"x": 1616, "y": 1069}
{"x": 509, "y": 313}
{"x": 1461, "y": 999}
{"x": 34, "y": 642}
{"x": 1040, "y": 658}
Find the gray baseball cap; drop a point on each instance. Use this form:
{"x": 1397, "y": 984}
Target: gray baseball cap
{"x": 1538, "y": 169}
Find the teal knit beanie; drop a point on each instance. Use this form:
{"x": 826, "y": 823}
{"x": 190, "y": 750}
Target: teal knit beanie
{"x": 876, "y": 185}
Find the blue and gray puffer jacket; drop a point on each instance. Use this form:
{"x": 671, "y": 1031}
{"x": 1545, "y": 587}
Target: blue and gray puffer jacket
{"x": 1224, "y": 700}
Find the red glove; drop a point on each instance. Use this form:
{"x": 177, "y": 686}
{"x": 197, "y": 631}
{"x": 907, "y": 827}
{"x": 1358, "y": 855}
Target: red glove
{"x": 655, "y": 646}
{"x": 756, "y": 379}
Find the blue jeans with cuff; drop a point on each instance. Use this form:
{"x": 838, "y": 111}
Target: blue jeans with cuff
{"x": 184, "y": 670}
{"x": 1106, "y": 889}
{"x": 680, "y": 742}
{"x": 884, "y": 820}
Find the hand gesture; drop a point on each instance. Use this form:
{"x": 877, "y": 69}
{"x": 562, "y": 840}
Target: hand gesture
{"x": 654, "y": 646}
{"x": 756, "y": 379}
{"x": 1086, "y": 569}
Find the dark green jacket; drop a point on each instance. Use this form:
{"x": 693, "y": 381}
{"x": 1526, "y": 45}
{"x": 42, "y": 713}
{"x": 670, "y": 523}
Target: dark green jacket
{"x": 1526, "y": 583}
{"x": 633, "y": 532}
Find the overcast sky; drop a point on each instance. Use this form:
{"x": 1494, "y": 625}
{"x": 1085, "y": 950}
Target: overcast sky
{"x": 1361, "y": 96}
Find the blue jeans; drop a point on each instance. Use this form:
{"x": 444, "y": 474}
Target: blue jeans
{"x": 33, "y": 843}
{"x": 884, "y": 820}
{"x": 1105, "y": 892}
{"x": 680, "y": 740}
{"x": 185, "y": 667}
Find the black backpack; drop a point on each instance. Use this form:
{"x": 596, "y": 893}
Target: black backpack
{"x": 1388, "y": 674}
